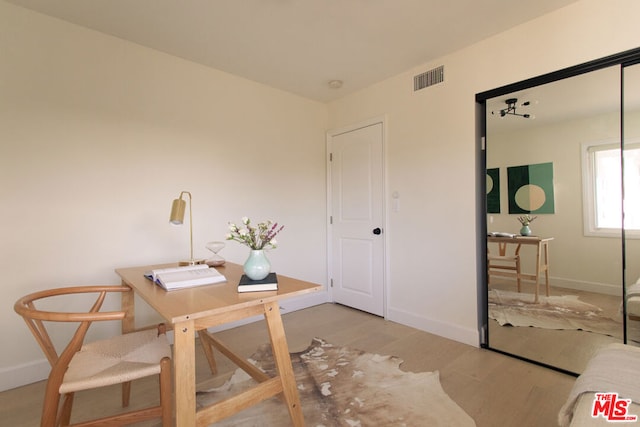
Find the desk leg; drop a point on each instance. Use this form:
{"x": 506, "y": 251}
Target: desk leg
{"x": 127, "y": 305}
{"x": 207, "y": 347}
{"x": 546, "y": 266}
{"x": 283, "y": 362}
{"x": 538, "y": 270}
{"x": 184, "y": 371}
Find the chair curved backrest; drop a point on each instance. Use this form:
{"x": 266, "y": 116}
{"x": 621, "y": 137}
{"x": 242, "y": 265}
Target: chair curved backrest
{"x": 504, "y": 263}
{"x": 68, "y": 376}
{"x": 34, "y": 317}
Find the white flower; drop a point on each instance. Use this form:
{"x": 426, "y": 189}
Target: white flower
{"x": 259, "y": 237}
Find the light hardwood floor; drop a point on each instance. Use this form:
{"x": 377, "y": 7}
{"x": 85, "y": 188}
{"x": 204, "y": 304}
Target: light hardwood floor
{"x": 496, "y": 390}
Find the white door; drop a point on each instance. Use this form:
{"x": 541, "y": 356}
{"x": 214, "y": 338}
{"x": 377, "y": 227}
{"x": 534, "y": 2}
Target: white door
{"x": 357, "y": 217}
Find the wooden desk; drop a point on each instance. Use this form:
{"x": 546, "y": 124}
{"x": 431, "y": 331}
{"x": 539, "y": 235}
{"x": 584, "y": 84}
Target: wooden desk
{"x": 196, "y": 309}
{"x": 542, "y": 256}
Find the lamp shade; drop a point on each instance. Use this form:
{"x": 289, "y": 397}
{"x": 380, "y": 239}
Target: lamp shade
{"x": 177, "y": 211}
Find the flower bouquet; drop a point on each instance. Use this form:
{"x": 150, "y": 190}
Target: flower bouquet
{"x": 257, "y": 238}
{"x": 526, "y": 219}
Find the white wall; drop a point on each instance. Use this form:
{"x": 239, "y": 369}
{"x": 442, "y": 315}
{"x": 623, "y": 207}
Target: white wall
{"x": 99, "y": 135}
{"x": 431, "y": 146}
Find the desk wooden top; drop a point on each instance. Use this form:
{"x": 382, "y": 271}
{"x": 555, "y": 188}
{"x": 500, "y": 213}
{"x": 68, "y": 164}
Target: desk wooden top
{"x": 532, "y": 240}
{"x": 209, "y": 300}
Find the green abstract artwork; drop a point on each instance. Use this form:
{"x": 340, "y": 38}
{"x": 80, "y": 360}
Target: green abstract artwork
{"x": 493, "y": 190}
{"x": 530, "y": 189}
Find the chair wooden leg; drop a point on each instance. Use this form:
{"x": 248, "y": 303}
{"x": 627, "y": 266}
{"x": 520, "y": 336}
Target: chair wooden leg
{"x": 126, "y": 394}
{"x": 50, "y": 407}
{"x": 65, "y": 411}
{"x": 166, "y": 400}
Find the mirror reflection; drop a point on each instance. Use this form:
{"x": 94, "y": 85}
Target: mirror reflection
{"x": 631, "y": 151}
{"x": 555, "y": 220}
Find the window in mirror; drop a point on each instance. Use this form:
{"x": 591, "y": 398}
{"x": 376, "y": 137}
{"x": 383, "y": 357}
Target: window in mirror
{"x": 601, "y": 165}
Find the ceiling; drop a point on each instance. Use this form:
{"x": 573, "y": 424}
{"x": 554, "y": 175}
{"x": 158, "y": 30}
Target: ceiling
{"x": 579, "y": 97}
{"x": 301, "y": 45}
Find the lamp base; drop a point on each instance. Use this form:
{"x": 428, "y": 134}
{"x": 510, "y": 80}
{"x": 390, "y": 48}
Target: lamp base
{"x": 191, "y": 262}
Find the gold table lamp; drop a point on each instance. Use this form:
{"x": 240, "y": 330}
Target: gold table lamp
{"x": 177, "y": 218}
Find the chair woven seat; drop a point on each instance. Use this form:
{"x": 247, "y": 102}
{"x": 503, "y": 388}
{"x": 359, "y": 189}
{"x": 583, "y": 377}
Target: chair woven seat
{"x": 116, "y": 360}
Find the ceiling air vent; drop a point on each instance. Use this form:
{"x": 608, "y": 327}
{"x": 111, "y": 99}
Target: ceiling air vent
{"x": 428, "y": 78}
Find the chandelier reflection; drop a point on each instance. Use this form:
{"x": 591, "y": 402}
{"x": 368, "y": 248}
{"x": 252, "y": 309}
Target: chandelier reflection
{"x": 512, "y": 105}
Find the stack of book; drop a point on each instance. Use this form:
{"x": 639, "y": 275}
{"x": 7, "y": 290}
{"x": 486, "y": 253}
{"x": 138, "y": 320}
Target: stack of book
{"x": 185, "y": 277}
{"x": 269, "y": 283}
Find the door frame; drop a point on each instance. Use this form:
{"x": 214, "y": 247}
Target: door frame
{"x": 385, "y": 221}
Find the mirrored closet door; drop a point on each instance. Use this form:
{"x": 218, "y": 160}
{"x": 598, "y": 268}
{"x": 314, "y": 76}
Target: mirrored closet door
{"x": 555, "y": 246}
{"x": 631, "y": 167}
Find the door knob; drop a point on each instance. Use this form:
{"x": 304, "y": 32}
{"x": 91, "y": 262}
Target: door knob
{"x": 377, "y": 231}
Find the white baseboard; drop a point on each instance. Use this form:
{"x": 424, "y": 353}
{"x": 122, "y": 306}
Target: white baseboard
{"x": 20, "y": 375}
{"x": 436, "y": 327}
{"x": 27, "y": 373}
{"x": 578, "y": 285}
{"x": 595, "y": 287}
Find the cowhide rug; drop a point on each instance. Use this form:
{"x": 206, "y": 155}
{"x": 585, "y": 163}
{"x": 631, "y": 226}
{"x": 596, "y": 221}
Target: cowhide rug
{"x": 340, "y": 386}
{"x": 554, "y": 312}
